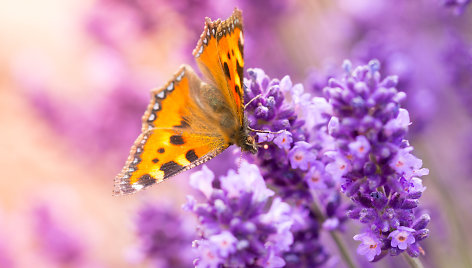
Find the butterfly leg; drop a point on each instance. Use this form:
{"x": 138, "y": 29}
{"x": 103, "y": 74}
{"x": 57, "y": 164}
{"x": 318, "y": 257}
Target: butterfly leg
{"x": 265, "y": 131}
{"x": 253, "y": 99}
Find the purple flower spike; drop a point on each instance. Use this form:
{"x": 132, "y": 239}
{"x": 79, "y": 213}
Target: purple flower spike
{"x": 373, "y": 162}
{"x": 294, "y": 164}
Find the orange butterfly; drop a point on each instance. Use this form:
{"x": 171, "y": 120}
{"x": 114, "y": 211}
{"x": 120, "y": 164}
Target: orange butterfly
{"x": 189, "y": 121}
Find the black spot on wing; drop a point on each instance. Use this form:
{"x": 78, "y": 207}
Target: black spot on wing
{"x": 146, "y": 180}
{"x": 183, "y": 124}
{"x": 155, "y": 160}
{"x": 170, "y": 168}
{"x": 229, "y": 56}
{"x": 238, "y": 90}
{"x": 177, "y": 140}
{"x": 226, "y": 68}
{"x": 239, "y": 69}
{"x": 161, "y": 150}
{"x": 191, "y": 156}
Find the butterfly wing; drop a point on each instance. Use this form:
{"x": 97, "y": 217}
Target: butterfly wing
{"x": 184, "y": 136}
{"x": 219, "y": 55}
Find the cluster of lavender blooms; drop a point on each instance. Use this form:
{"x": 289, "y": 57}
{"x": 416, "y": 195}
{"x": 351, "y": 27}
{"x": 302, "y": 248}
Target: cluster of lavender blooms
{"x": 241, "y": 223}
{"x": 291, "y": 162}
{"x": 351, "y": 142}
{"x": 165, "y": 237}
{"x": 374, "y": 163}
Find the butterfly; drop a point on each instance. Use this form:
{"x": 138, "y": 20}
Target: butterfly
{"x": 189, "y": 121}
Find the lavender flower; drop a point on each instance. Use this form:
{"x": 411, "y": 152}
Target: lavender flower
{"x": 165, "y": 236}
{"x": 373, "y": 160}
{"x": 240, "y": 223}
{"x": 272, "y": 111}
{"x": 291, "y": 162}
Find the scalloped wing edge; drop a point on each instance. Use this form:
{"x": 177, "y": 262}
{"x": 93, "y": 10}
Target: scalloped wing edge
{"x": 211, "y": 29}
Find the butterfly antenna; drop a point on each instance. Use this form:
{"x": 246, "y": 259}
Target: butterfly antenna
{"x": 253, "y": 99}
{"x": 265, "y": 131}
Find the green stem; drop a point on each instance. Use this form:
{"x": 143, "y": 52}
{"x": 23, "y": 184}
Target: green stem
{"x": 336, "y": 237}
{"x": 413, "y": 262}
{"x": 343, "y": 249}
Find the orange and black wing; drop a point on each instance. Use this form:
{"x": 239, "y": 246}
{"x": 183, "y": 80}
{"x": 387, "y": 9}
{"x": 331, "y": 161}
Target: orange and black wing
{"x": 220, "y": 57}
{"x": 178, "y": 133}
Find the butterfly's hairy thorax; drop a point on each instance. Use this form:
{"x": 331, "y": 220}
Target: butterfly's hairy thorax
{"x": 244, "y": 140}
{"x": 212, "y": 101}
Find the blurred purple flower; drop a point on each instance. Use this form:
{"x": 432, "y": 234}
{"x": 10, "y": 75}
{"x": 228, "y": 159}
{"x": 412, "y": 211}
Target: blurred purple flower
{"x": 116, "y": 23}
{"x": 383, "y": 178}
{"x": 56, "y": 242}
{"x": 458, "y": 5}
{"x": 111, "y": 123}
{"x": 240, "y": 223}
{"x": 406, "y": 45}
{"x": 458, "y": 57}
{"x": 6, "y": 259}
{"x": 165, "y": 236}
{"x": 301, "y": 156}
{"x": 316, "y": 177}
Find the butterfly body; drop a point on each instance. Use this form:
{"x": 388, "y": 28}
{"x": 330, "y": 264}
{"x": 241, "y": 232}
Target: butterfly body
{"x": 189, "y": 121}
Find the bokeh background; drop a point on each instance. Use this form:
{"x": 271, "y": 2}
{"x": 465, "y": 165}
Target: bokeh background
{"x": 75, "y": 78}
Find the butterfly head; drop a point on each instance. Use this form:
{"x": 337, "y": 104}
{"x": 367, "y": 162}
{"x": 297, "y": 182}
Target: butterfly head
{"x": 247, "y": 143}
{"x": 244, "y": 140}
